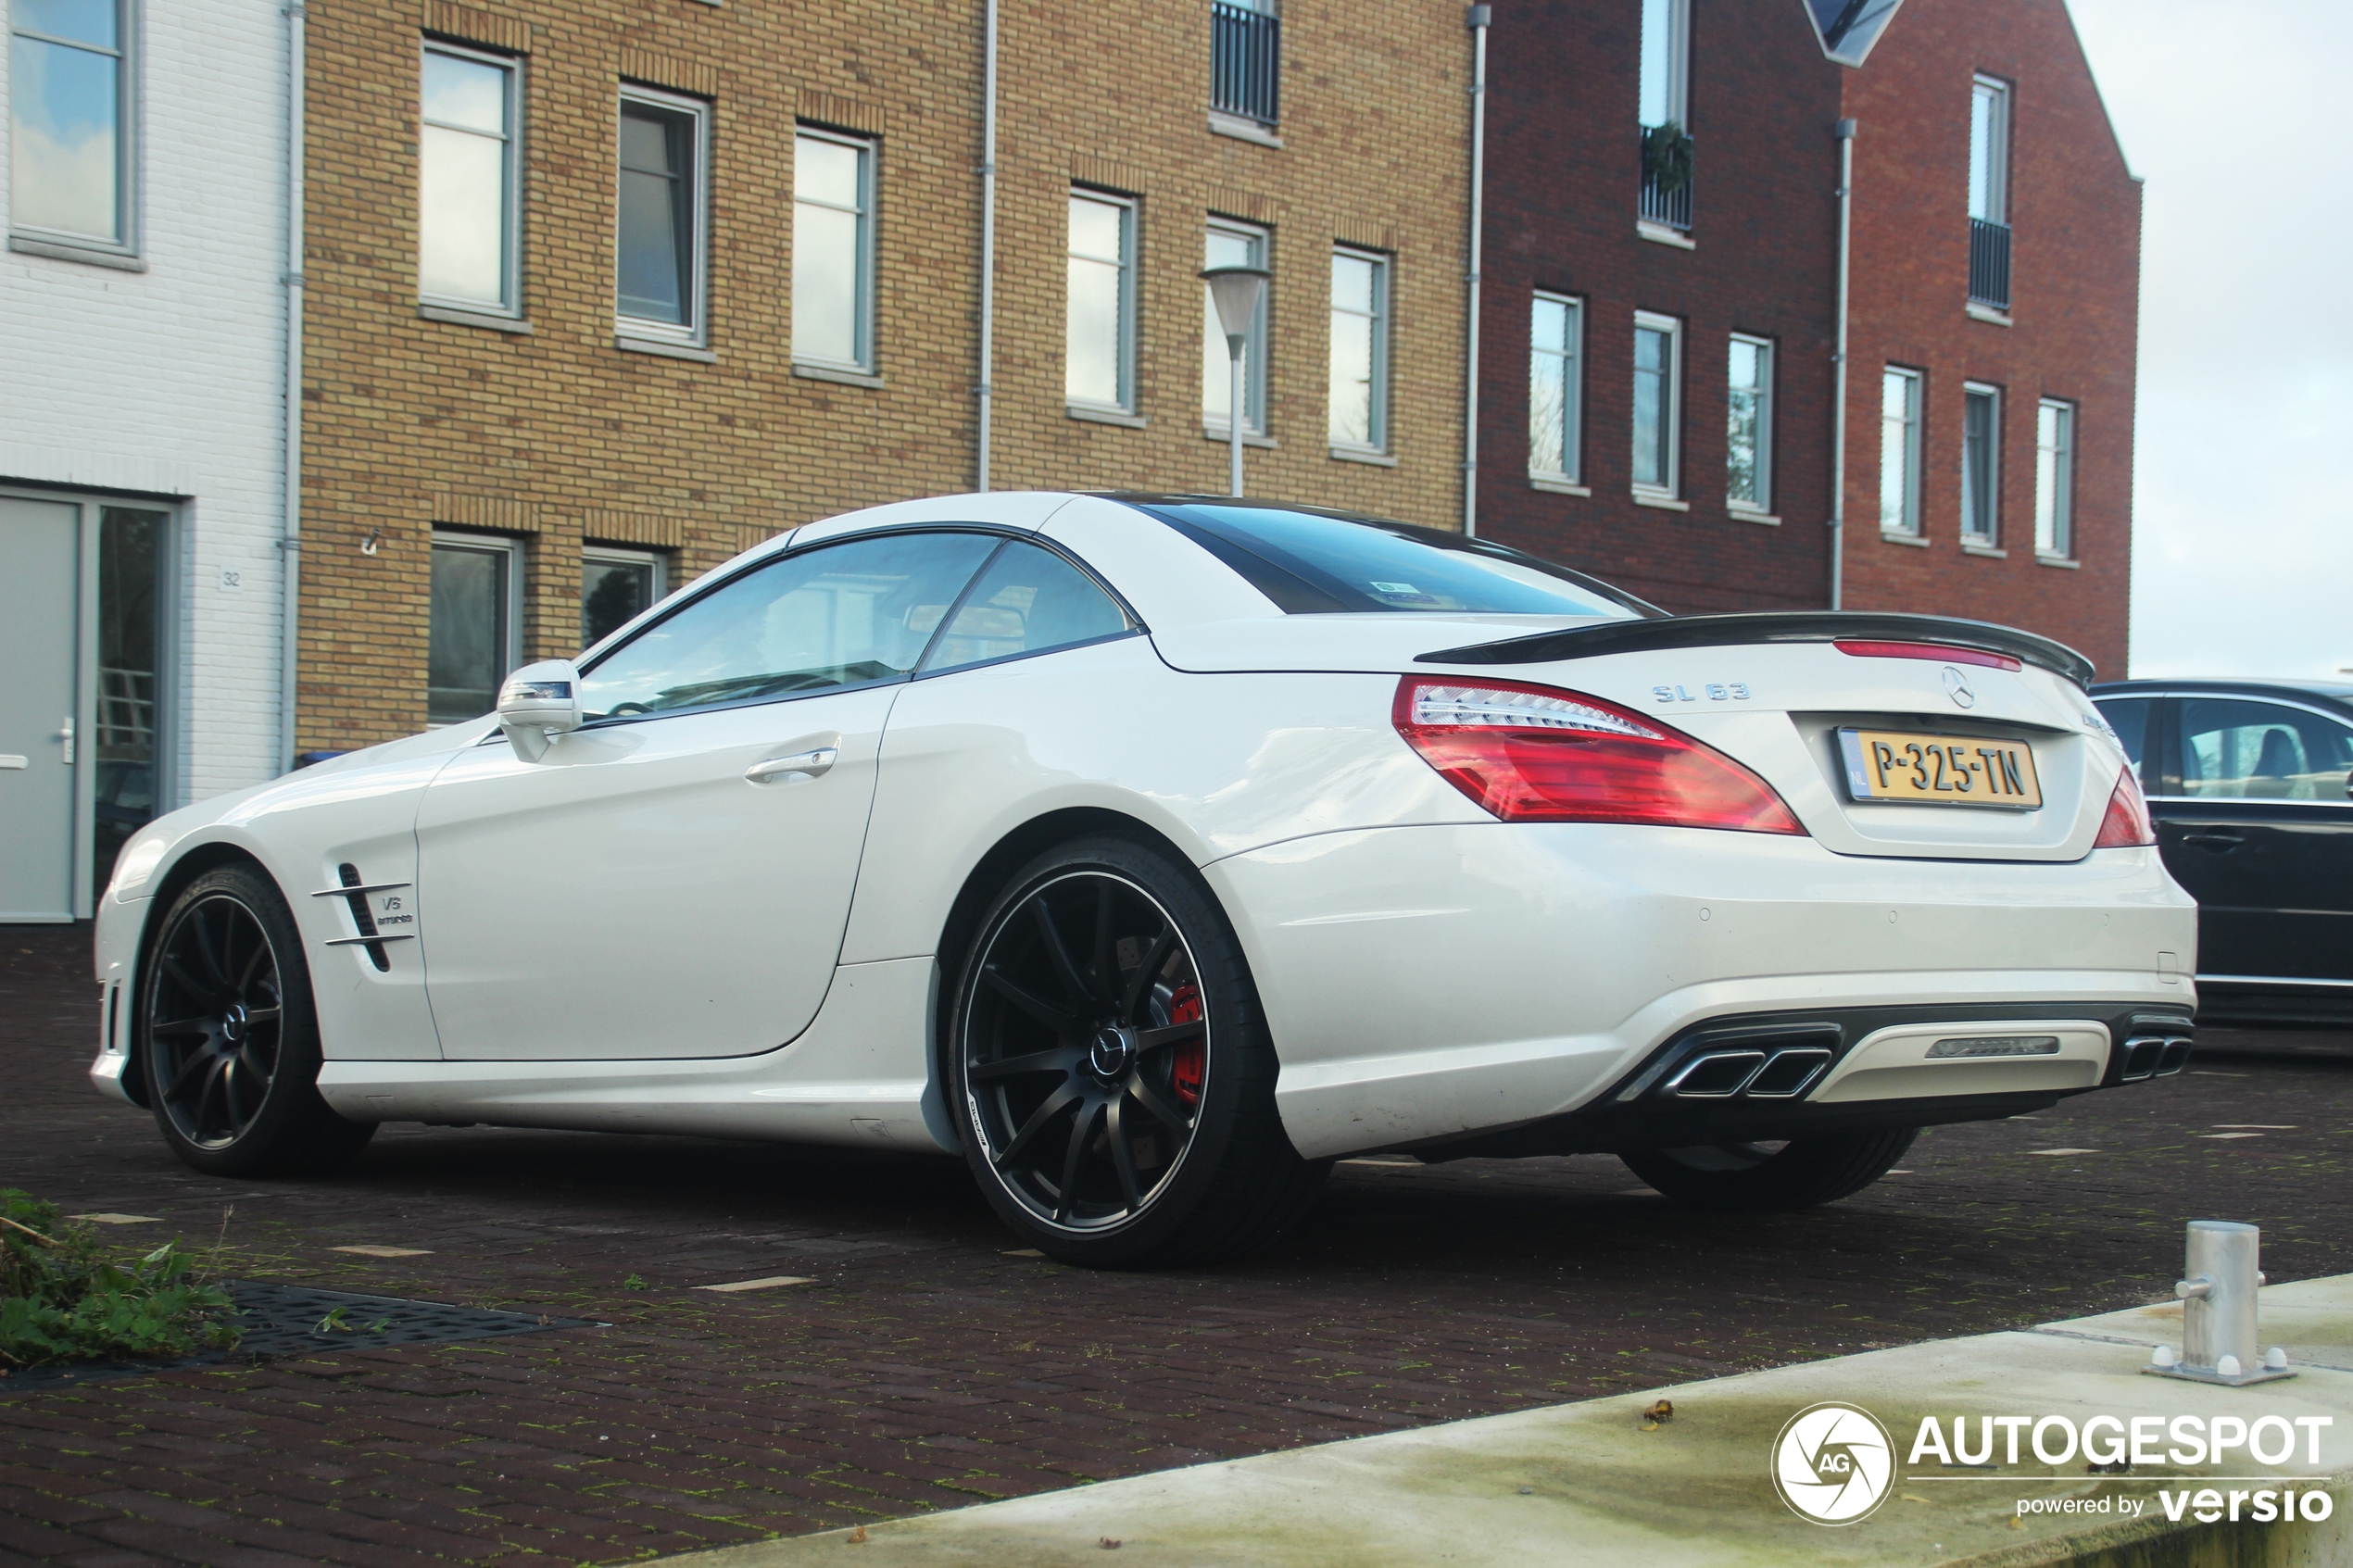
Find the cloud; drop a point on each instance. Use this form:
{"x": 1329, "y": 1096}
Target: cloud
{"x": 2244, "y": 515}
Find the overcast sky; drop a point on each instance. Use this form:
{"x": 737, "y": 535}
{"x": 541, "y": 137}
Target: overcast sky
{"x": 2237, "y": 117}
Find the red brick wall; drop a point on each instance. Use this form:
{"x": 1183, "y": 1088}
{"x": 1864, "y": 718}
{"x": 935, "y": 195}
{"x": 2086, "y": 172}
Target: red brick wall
{"x": 2075, "y": 211}
{"x": 1561, "y": 191}
{"x": 1564, "y": 171}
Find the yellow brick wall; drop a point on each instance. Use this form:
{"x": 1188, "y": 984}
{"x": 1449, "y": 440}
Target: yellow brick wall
{"x": 556, "y": 436}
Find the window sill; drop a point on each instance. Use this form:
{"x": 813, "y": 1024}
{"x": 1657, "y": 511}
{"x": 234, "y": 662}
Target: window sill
{"x": 1359, "y": 455}
{"x": 1990, "y": 552}
{"x": 1663, "y": 503}
{"x": 1890, "y": 536}
{"x": 1103, "y": 415}
{"x": 1552, "y": 484}
{"x": 1241, "y": 130}
{"x": 1664, "y": 235}
{"x": 666, "y": 350}
{"x": 1250, "y": 437}
{"x": 121, "y": 261}
{"x": 2065, "y": 563}
{"x": 1990, "y": 315}
{"x": 472, "y": 318}
{"x": 843, "y": 378}
{"x": 1750, "y": 514}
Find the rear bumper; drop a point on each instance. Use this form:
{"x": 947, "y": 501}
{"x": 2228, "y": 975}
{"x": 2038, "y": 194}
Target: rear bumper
{"x": 1427, "y": 983}
{"x": 1784, "y": 1075}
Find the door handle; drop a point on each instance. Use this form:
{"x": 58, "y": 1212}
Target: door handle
{"x": 2217, "y": 840}
{"x": 66, "y": 735}
{"x": 801, "y": 764}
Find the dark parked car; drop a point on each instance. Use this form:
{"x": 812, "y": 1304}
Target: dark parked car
{"x": 2251, "y": 783}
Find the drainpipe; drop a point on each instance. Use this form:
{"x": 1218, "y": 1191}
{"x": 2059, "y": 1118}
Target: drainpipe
{"x": 987, "y": 236}
{"x": 1480, "y": 17}
{"x": 1844, "y": 131}
{"x": 290, "y": 537}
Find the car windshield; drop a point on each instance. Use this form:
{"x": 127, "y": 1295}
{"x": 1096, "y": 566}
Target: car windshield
{"x": 1313, "y": 562}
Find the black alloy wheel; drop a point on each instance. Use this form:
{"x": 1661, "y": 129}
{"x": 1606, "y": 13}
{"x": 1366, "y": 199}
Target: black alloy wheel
{"x": 228, "y": 1038}
{"x": 1116, "y": 1082}
{"x": 1763, "y": 1177}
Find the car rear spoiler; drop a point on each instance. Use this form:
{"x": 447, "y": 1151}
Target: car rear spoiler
{"x": 1772, "y": 626}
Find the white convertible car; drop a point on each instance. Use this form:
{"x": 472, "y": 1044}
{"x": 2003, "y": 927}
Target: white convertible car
{"x": 1153, "y": 852}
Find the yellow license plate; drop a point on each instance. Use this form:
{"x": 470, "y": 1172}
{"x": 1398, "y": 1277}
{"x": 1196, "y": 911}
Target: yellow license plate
{"x": 1917, "y": 770}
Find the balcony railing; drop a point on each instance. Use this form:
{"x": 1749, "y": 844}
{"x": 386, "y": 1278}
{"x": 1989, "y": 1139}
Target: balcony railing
{"x": 1667, "y": 159}
{"x": 1989, "y": 263}
{"x": 1245, "y": 63}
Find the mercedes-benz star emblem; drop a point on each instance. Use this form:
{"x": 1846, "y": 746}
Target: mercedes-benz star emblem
{"x": 1956, "y": 687}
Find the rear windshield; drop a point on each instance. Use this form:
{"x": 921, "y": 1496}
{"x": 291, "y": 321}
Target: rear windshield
{"x": 1328, "y": 563}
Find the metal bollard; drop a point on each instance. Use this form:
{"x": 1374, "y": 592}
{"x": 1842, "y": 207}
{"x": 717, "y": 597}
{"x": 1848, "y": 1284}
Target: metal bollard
{"x": 2219, "y": 1343}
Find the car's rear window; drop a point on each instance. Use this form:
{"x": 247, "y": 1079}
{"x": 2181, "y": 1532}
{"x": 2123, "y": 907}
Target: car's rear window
{"x": 1327, "y": 563}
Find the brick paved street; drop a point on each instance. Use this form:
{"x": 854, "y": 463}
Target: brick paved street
{"x": 926, "y": 1367}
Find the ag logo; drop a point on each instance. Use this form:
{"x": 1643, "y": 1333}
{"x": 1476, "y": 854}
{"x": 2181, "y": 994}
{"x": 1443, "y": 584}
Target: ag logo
{"x": 1956, "y": 686}
{"x": 1833, "y": 1463}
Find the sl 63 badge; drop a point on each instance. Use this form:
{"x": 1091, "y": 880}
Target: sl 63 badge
{"x": 1717, "y": 691}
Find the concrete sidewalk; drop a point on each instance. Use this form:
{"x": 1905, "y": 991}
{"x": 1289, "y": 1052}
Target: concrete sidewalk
{"x": 1590, "y": 1483}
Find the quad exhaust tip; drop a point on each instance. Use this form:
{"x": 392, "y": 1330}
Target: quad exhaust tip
{"x": 1754, "y": 1073}
{"x": 2155, "y": 1055}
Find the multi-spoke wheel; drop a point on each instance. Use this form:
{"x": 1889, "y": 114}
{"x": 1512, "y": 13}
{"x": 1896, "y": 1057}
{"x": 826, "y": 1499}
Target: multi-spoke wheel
{"x": 230, "y": 1042}
{"x": 1754, "y": 1177}
{"x": 1114, "y": 1076}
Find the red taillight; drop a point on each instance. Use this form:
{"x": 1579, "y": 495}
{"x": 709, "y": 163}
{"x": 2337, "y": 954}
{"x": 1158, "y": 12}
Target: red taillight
{"x": 1936, "y": 651}
{"x": 2127, "y": 823}
{"x": 1537, "y": 754}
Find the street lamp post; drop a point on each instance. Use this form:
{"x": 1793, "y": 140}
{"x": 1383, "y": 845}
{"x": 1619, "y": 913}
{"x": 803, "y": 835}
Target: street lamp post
{"x": 1237, "y": 293}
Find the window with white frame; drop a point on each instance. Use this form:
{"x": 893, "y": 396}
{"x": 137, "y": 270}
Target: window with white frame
{"x": 1666, "y": 84}
{"x": 1899, "y": 451}
{"x": 70, "y": 121}
{"x": 665, "y": 144}
{"x": 1098, "y": 352}
{"x": 1359, "y": 394}
{"x": 1748, "y": 425}
{"x": 2054, "y": 478}
{"x": 1555, "y": 385}
{"x": 1658, "y": 402}
{"x": 469, "y": 159}
{"x": 1229, "y": 243}
{"x": 1989, "y": 150}
{"x": 1981, "y": 464}
{"x": 615, "y": 586}
{"x": 476, "y": 632}
{"x": 833, "y": 250}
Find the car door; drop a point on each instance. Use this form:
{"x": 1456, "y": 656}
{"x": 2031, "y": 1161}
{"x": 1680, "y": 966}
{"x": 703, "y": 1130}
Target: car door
{"x": 2254, "y": 820}
{"x": 672, "y": 878}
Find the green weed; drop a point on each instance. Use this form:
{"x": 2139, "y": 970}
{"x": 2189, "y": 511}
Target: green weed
{"x": 61, "y": 1300}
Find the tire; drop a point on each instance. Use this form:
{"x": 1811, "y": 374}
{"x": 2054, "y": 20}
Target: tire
{"x": 230, "y": 1035}
{"x": 1113, "y": 1070}
{"x": 1750, "y": 1178}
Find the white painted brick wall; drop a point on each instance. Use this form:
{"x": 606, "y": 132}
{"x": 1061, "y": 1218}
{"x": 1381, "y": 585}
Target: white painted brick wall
{"x": 172, "y": 380}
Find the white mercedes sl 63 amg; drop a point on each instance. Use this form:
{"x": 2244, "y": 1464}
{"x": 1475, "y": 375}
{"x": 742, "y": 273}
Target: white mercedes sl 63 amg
{"x": 1153, "y": 852}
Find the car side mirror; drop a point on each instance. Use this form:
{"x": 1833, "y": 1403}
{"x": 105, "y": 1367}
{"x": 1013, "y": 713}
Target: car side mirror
{"x": 538, "y": 703}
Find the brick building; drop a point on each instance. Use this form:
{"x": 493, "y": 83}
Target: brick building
{"x": 602, "y": 292}
{"x": 2003, "y": 371}
{"x": 1658, "y": 353}
{"x": 144, "y": 311}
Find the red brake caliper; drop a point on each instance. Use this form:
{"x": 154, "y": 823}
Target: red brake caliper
{"x": 1191, "y": 1061}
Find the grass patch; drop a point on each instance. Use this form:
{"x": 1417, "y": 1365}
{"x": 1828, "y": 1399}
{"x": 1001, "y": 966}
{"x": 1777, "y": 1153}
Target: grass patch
{"x": 63, "y": 1299}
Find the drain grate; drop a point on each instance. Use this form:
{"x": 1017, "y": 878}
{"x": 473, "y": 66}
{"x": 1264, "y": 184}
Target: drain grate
{"x": 284, "y": 1320}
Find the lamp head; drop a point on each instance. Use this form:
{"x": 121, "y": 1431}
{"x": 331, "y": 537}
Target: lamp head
{"x": 1236, "y": 292}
